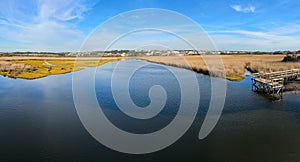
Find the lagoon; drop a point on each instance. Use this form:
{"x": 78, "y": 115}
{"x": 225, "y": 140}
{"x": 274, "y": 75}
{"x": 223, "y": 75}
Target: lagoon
{"x": 38, "y": 120}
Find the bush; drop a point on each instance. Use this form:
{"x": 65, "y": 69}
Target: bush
{"x": 291, "y": 58}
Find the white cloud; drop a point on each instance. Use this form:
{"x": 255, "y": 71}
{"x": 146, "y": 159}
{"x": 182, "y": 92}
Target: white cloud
{"x": 61, "y": 10}
{"x": 3, "y": 21}
{"x": 253, "y": 34}
{"x": 239, "y": 8}
{"x": 231, "y": 42}
{"x": 271, "y": 40}
{"x": 48, "y": 29}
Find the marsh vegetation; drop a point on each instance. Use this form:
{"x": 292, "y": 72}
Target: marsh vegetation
{"x": 234, "y": 65}
{"x": 33, "y": 68}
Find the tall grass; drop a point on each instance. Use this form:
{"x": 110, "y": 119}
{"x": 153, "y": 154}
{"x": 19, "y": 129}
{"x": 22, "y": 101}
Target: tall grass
{"x": 234, "y": 65}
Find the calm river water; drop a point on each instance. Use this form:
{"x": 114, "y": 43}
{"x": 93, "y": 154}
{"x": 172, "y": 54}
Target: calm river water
{"x": 38, "y": 120}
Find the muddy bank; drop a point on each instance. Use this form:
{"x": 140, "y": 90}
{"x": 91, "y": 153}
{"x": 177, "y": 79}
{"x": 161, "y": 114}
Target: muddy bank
{"x": 292, "y": 87}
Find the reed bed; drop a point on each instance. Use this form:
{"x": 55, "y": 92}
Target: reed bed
{"x": 234, "y": 65}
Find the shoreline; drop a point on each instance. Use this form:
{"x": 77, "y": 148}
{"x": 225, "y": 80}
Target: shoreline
{"x": 34, "y": 67}
{"x": 292, "y": 87}
{"x": 235, "y": 78}
{"x": 231, "y": 67}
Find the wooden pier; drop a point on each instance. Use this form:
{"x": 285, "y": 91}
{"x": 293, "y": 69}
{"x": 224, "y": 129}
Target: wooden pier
{"x": 273, "y": 83}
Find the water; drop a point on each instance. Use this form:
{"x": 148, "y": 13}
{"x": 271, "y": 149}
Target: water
{"x": 38, "y": 121}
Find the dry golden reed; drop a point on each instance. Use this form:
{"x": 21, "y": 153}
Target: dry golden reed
{"x": 234, "y": 65}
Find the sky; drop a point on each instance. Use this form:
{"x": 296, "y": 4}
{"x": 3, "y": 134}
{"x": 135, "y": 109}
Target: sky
{"x": 61, "y": 26}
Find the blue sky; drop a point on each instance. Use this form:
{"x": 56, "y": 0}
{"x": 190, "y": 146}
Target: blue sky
{"x": 55, "y": 25}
